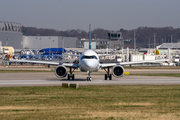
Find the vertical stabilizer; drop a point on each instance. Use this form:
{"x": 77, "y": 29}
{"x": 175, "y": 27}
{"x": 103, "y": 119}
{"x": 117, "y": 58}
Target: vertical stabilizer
{"x": 89, "y": 36}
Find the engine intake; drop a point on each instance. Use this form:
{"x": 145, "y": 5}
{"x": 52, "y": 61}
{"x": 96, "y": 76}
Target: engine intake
{"x": 60, "y": 71}
{"x": 118, "y": 71}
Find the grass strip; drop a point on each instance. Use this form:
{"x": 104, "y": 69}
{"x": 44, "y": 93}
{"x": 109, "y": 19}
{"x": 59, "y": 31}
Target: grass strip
{"x": 91, "y": 102}
{"x": 20, "y": 71}
{"x": 152, "y": 67}
{"x": 159, "y": 74}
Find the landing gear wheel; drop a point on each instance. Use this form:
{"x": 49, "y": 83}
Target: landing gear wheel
{"x": 110, "y": 76}
{"x": 68, "y": 77}
{"x": 105, "y": 76}
{"x": 72, "y": 76}
{"x": 89, "y": 79}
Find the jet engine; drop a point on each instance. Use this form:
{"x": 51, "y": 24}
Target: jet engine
{"x": 118, "y": 71}
{"x": 60, "y": 71}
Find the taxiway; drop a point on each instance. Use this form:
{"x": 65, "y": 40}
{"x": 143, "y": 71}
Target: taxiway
{"x": 49, "y": 79}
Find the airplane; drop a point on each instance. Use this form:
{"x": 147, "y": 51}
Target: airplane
{"x": 89, "y": 62}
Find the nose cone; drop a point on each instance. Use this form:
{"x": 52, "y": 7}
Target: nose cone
{"x": 89, "y": 65}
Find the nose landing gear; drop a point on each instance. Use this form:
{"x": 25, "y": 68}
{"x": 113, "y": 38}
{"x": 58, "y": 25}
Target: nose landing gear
{"x": 89, "y": 77}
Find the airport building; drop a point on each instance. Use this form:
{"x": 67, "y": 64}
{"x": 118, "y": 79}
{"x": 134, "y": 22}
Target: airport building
{"x": 114, "y": 41}
{"x": 40, "y": 42}
{"x": 11, "y": 35}
{"x": 173, "y": 46}
{"x": 95, "y": 43}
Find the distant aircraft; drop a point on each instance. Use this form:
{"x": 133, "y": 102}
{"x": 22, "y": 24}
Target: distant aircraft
{"x": 89, "y": 62}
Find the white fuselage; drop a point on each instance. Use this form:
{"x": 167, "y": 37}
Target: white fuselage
{"x": 89, "y": 61}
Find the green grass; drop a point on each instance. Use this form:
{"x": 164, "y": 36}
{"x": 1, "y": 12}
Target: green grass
{"x": 152, "y": 67}
{"x": 91, "y": 102}
{"x": 159, "y": 74}
{"x": 23, "y": 71}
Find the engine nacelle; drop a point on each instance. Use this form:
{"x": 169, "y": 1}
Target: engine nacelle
{"x": 118, "y": 71}
{"x": 60, "y": 71}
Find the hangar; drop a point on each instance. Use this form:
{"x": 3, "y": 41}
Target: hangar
{"x": 40, "y": 42}
{"x": 11, "y": 35}
{"x": 170, "y": 45}
{"x": 175, "y": 48}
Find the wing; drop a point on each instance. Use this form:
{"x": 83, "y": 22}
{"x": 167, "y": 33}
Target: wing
{"x": 134, "y": 62}
{"x": 35, "y": 61}
{"x": 72, "y": 65}
{"x": 145, "y": 61}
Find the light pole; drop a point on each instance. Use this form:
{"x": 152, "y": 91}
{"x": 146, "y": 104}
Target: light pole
{"x": 7, "y": 41}
{"x": 149, "y": 43}
{"x": 49, "y": 47}
{"x": 135, "y": 41}
{"x": 171, "y": 38}
{"x": 154, "y": 42}
{"x": 63, "y": 48}
{"x": 40, "y": 47}
{"x": 110, "y": 41}
{"x": 40, "y": 38}
{"x": 52, "y": 46}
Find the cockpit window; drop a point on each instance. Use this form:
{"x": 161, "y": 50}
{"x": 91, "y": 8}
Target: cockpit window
{"x": 89, "y": 57}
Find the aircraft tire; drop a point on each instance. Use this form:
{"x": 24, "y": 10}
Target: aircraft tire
{"x": 88, "y": 79}
{"x": 110, "y": 77}
{"x": 105, "y": 76}
{"x": 68, "y": 77}
{"x": 72, "y": 76}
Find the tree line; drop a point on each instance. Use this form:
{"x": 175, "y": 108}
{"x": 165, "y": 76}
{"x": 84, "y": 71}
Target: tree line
{"x": 143, "y": 35}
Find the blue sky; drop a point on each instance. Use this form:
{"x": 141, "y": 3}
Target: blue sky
{"x": 78, "y": 14}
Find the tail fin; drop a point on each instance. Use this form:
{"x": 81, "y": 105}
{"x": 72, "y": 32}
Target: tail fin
{"x": 89, "y": 36}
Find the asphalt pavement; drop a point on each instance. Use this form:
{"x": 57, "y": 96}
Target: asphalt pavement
{"x": 49, "y": 79}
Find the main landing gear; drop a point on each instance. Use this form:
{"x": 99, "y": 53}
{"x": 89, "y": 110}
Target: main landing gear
{"x": 107, "y": 75}
{"x": 70, "y": 75}
{"x": 89, "y": 77}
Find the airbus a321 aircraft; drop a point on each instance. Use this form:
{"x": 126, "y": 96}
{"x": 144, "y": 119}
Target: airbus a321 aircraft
{"x": 89, "y": 62}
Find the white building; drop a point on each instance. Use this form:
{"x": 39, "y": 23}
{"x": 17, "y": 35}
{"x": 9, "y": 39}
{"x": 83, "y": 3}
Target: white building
{"x": 40, "y": 42}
